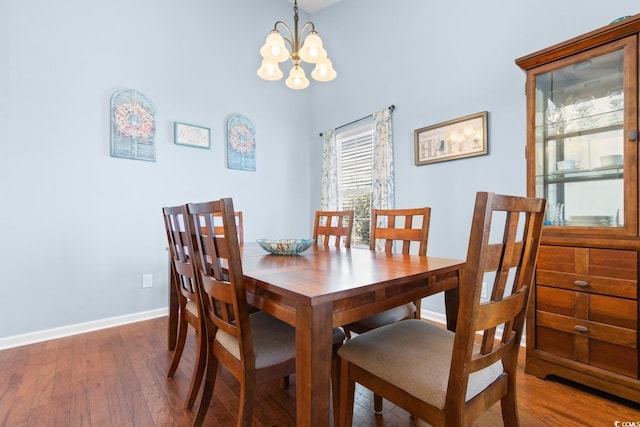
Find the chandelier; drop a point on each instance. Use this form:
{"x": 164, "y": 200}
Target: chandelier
{"x": 310, "y": 50}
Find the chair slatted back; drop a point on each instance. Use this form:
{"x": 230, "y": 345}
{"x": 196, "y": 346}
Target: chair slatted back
{"x": 503, "y": 249}
{"x": 224, "y": 294}
{"x": 182, "y": 252}
{"x": 400, "y": 225}
{"x": 239, "y": 226}
{"x": 333, "y": 228}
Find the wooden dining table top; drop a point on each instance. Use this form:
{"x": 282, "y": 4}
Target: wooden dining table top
{"x": 327, "y": 274}
{"x": 322, "y": 288}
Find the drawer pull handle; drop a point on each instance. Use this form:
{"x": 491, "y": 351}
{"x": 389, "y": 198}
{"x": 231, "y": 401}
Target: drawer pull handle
{"x": 581, "y": 283}
{"x": 581, "y": 328}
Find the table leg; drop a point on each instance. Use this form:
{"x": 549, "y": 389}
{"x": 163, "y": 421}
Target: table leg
{"x": 172, "y": 332}
{"x": 313, "y": 364}
{"x": 451, "y": 303}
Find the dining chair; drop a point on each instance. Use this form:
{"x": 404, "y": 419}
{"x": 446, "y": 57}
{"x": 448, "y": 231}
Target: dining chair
{"x": 333, "y": 228}
{"x": 450, "y": 378}
{"x": 188, "y": 289}
{"x": 256, "y": 348}
{"x": 408, "y": 231}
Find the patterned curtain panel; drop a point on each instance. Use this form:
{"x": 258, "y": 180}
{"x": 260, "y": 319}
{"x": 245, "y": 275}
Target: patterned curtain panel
{"x": 329, "y": 182}
{"x": 383, "y": 176}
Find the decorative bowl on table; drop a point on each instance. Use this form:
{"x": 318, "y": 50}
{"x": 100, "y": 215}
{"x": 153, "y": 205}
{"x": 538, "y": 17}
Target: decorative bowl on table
{"x": 285, "y": 246}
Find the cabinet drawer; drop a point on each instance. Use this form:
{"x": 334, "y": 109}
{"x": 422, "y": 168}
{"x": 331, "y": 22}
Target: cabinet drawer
{"x": 581, "y": 306}
{"x": 599, "y": 271}
{"x": 593, "y": 329}
{"x": 611, "y": 357}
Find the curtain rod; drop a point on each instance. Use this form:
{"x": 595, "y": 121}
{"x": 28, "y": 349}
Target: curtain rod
{"x": 391, "y": 108}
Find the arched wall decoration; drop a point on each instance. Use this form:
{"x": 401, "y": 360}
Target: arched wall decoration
{"x": 132, "y": 126}
{"x": 241, "y": 143}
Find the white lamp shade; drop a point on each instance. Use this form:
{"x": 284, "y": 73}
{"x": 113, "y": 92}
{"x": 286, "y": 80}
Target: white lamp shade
{"x": 269, "y": 70}
{"x": 312, "y": 50}
{"x": 324, "y": 72}
{"x": 297, "y": 79}
{"x": 274, "y": 49}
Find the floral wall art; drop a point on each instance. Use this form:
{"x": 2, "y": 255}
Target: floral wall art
{"x": 241, "y": 143}
{"x": 132, "y": 126}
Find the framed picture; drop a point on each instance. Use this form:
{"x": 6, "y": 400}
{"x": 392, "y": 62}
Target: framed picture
{"x": 455, "y": 139}
{"x": 192, "y": 136}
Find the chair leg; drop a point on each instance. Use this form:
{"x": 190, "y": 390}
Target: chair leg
{"x": 198, "y": 370}
{"x": 177, "y": 354}
{"x": 509, "y": 405}
{"x": 347, "y": 333}
{"x": 377, "y": 403}
{"x": 346, "y": 397}
{"x": 247, "y": 400}
{"x": 207, "y": 393}
{"x": 335, "y": 384}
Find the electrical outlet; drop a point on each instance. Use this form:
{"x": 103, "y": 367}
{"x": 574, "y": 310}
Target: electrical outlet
{"x": 484, "y": 293}
{"x": 147, "y": 280}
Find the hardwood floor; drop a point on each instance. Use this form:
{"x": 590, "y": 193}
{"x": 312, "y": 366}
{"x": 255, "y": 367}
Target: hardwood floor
{"x": 117, "y": 377}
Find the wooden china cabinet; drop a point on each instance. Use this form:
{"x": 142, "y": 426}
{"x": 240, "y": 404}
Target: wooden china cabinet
{"x": 582, "y": 156}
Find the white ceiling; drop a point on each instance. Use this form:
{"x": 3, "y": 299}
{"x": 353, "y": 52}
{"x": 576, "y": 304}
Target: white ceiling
{"x": 311, "y": 6}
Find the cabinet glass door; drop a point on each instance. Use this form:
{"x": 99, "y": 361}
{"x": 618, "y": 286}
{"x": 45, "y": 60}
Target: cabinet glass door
{"x": 581, "y": 148}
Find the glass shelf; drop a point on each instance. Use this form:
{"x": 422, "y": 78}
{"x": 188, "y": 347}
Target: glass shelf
{"x": 579, "y": 142}
{"x": 602, "y": 122}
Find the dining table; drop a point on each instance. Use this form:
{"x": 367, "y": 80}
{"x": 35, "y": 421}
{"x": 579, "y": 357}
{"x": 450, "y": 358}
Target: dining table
{"x": 326, "y": 287}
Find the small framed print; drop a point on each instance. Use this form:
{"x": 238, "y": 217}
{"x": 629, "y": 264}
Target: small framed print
{"x": 191, "y": 135}
{"x": 455, "y": 139}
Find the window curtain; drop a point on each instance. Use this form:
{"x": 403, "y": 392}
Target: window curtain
{"x": 329, "y": 181}
{"x": 383, "y": 196}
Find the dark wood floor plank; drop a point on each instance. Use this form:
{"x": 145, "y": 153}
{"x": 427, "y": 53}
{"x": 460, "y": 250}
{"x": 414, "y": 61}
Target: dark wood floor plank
{"x": 98, "y": 401}
{"x": 80, "y": 410}
{"x": 117, "y": 398}
{"x": 43, "y": 391}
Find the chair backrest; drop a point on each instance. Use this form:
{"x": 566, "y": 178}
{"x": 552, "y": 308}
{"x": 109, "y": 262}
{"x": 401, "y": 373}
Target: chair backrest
{"x": 239, "y": 226}
{"x": 224, "y": 295}
{"x": 217, "y": 225}
{"x": 502, "y": 252}
{"x": 404, "y": 226}
{"x": 333, "y": 228}
{"x": 182, "y": 252}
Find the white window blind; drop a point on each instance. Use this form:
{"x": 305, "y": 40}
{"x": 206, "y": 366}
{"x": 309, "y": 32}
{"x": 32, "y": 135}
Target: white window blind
{"x": 355, "y": 164}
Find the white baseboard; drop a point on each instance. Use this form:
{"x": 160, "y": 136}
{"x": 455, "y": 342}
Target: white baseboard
{"x": 80, "y": 328}
{"x": 434, "y": 316}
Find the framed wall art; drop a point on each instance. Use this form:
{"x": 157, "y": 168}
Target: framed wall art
{"x": 241, "y": 143}
{"x": 191, "y": 135}
{"x": 132, "y": 126}
{"x": 454, "y": 139}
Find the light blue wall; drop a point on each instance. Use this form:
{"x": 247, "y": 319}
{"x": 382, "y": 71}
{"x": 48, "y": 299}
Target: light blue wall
{"x": 436, "y": 61}
{"x": 79, "y": 228}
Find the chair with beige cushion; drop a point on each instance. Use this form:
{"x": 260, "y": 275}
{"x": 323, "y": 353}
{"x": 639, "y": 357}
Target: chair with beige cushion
{"x": 333, "y": 228}
{"x": 185, "y": 279}
{"x": 256, "y": 348}
{"x": 395, "y": 230}
{"x": 450, "y": 378}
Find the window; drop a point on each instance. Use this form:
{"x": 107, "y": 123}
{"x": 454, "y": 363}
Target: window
{"x": 355, "y": 165}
